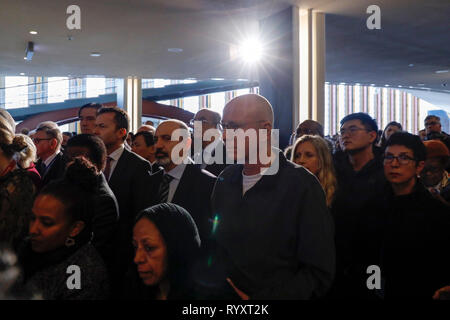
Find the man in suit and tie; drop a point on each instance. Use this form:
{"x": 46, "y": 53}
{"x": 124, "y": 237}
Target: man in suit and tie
{"x": 128, "y": 176}
{"x": 51, "y": 164}
{"x": 182, "y": 182}
{"x": 212, "y": 155}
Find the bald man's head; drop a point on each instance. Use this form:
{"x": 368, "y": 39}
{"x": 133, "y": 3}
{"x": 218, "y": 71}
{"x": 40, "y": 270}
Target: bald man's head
{"x": 208, "y": 115}
{"x": 251, "y": 107}
{"x": 147, "y": 128}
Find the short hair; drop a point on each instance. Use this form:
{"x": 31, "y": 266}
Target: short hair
{"x": 67, "y": 133}
{"x": 121, "y": 117}
{"x": 95, "y": 145}
{"x": 409, "y": 141}
{"x": 49, "y": 124}
{"x": 95, "y": 106}
{"x": 368, "y": 122}
{"x": 52, "y": 132}
{"x": 148, "y": 136}
{"x": 432, "y": 116}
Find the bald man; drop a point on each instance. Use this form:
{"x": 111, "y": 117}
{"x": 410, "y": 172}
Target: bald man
{"x": 181, "y": 181}
{"x": 209, "y": 153}
{"x": 147, "y": 127}
{"x": 274, "y": 233}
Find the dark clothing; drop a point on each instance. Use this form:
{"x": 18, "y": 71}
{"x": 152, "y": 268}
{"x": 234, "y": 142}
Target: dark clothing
{"x": 415, "y": 260}
{"x": 105, "y": 219}
{"x": 17, "y": 193}
{"x": 46, "y": 273}
{"x": 181, "y": 237}
{"x": 277, "y": 240}
{"x": 130, "y": 182}
{"x": 356, "y": 192}
{"x": 215, "y": 168}
{"x": 193, "y": 193}
{"x": 54, "y": 171}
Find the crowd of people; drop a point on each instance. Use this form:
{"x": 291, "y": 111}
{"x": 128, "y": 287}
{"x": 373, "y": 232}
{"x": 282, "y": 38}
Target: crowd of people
{"x": 159, "y": 216}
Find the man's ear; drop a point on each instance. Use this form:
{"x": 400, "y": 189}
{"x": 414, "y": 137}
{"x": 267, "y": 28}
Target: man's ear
{"x": 77, "y": 227}
{"x": 373, "y": 136}
{"x": 53, "y": 143}
{"x": 123, "y": 133}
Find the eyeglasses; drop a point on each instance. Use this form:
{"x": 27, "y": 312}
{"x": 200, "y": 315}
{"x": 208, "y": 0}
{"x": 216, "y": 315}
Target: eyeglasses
{"x": 192, "y": 122}
{"x": 402, "y": 159}
{"x": 37, "y": 140}
{"x": 235, "y": 126}
{"x": 351, "y": 131}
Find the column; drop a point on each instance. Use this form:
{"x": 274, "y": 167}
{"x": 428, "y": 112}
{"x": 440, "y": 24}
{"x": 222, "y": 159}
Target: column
{"x": 129, "y": 97}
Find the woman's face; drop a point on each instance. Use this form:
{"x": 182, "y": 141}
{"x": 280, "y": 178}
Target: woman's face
{"x": 139, "y": 147}
{"x": 306, "y": 155}
{"x": 401, "y": 173}
{"x": 150, "y": 252}
{"x": 390, "y": 130}
{"x": 49, "y": 225}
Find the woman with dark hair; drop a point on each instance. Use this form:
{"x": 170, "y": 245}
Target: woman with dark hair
{"x": 410, "y": 225}
{"x": 167, "y": 246}
{"x": 390, "y": 129}
{"x": 60, "y": 234}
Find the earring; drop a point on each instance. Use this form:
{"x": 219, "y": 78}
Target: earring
{"x": 70, "y": 242}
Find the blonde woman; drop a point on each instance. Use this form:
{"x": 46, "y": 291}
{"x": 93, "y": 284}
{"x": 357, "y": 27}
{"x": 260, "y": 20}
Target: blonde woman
{"x": 313, "y": 153}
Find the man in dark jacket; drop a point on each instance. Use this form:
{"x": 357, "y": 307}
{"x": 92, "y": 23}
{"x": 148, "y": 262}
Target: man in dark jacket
{"x": 360, "y": 177}
{"x": 273, "y": 231}
{"x": 182, "y": 182}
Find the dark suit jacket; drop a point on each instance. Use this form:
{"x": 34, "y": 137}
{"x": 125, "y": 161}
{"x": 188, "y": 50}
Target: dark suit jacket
{"x": 105, "y": 219}
{"x": 55, "y": 171}
{"x": 193, "y": 194}
{"x": 130, "y": 182}
{"x": 217, "y": 168}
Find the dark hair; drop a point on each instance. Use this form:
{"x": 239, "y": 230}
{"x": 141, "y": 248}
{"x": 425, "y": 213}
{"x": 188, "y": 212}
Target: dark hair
{"x": 74, "y": 190}
{"x": 368, "y": 122}
{"x": 383, "y": 138}
{"x": 432, "y": 116}
{"x": 120, "y": 117}
{"x": 95, "y": 106}
{"x": 67, "y": 133}
{"x": 148, "y": 136}
{"x": 409, "y": 141}
{"x": 182, "y": 240}
{"x": 97, "y": 149}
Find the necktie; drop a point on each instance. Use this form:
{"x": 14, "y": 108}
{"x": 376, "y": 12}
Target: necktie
{"x": 164, "y": 188}
{"x": 107, "y": 170}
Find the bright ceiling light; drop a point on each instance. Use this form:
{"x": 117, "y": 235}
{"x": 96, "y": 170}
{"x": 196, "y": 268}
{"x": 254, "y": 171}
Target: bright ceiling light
{"x": 175, "y": 50}
{"x": 95, "y": 54}
{"x": 33, "y": 32}
{"x": 250, "y": 50}
{"x": 442, "y": 71}
{"x": 22, "y": 74}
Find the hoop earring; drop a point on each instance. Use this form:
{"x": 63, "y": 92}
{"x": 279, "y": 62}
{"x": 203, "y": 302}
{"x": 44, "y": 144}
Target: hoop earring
{"x": 70, "y": 242}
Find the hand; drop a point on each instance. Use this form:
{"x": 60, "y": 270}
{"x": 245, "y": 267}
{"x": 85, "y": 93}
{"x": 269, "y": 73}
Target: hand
{"x": 437, "y": 294}
{"x": 239, "y": 292}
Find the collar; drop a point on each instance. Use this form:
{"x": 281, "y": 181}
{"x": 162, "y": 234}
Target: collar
{"x": 50, "y": 159}
{"x": 177, "y": 172}
{"x": 116, "y": 154}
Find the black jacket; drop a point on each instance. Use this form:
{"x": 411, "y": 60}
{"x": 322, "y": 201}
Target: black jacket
{"x": 277, "y": 240}
{"x": 216, "y": 168}
{"x": 55, "y": 171}
{"x": 105, "y": 219}
{"x": 193, "y": 194}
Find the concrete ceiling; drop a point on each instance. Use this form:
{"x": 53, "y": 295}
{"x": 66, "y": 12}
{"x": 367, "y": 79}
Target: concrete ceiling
{"x": 134, "y": 36}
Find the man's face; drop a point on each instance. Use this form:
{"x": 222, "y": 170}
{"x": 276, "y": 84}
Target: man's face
{"x": 45, "y": 145}
{"x": 432, "y": 125}
{"x": 433, "y": 172}
{"x": 106, "y": 129}
{"x": 87, "y": 120}
{"x": 234, "y": 118}
{"x": 390, "y": 131}
{"x": 208, "y": 122}
{"x": 139, "y": 146}
{"x": 355, "y": 137}
{"x": 164, "y": 145}
{"x": 65, "y": 139}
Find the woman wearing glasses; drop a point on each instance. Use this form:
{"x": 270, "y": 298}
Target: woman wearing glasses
{"x": 415, "y": 226}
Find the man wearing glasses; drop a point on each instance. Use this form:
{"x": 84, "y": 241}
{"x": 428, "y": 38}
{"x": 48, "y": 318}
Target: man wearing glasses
{"x": 51, "y": 164}
{"x": 434, "y": 130}
{"x": 206, "y": 157}
{"x": 360, "y": 177}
